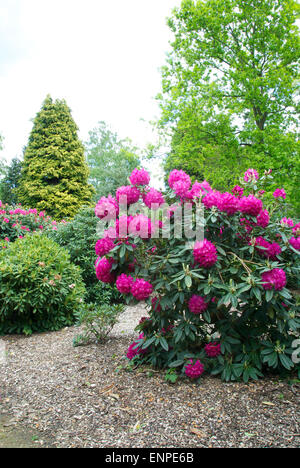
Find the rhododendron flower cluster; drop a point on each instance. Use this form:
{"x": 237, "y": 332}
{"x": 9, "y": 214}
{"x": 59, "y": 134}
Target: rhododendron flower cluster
{"x": 251, "y": 174}
{"x": 205, "y": 253}
{"x": 128, "y": 195}
{"x": 197, "y": 304}
{"x": 135, "y": 350}
{"x": 251, "y": 205}
{"x": 194, "y": 370}
{"x": 141, "y": 289}
{"x": 275, "y": 278}
{"x": 153, "y": 197}
{"x": 139, "y": 177}
{"x": 269, "y": 250}
{"x": 107, "y": 207}
{"x": 124, "y": 283}
{"x": 279, "y": 193}
{"x": 103, "y": 270}
{"x": 213, "y": 350}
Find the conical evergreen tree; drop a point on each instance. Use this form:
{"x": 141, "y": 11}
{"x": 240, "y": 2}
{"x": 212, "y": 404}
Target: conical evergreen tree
{"x": 55, "y": 174}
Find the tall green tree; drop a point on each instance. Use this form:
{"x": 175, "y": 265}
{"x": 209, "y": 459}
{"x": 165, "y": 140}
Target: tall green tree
{"x": 110, "y": 159}
{"x": 55, "y": 175}
{"x": 229, "y": 90}
{"x": 10, "y": 182}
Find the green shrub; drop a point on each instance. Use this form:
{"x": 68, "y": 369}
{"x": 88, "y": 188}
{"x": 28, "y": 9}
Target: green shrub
{"x": 40, "y": 289}
{"x": 79, "y": 238}
{"x": 97, "y": 322}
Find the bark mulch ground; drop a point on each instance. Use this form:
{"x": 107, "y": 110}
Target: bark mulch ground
{"x": 55, "y": 395}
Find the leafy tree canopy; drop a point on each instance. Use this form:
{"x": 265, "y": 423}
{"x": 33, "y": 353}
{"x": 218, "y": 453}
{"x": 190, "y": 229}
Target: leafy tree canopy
{"x": 110, "y": 159}
{"x": 229, "y": 91}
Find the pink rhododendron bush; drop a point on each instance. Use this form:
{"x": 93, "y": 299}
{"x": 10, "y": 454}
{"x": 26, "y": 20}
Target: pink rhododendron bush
{"x": 16, "y": 222}
{"x": 218, "y": 271}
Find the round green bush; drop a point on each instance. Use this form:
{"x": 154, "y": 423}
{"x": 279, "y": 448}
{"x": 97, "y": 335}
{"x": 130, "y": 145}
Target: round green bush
{"x": 79, "y": 237}
{"x": 40, "y": 289}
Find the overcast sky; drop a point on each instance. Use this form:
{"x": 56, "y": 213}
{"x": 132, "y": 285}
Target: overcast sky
{"x": 102, "y": 56}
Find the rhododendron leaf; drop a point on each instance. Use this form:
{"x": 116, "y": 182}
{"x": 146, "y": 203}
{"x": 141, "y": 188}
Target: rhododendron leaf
{"x": 188, "y": 281}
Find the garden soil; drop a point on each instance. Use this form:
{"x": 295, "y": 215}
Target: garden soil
{"x": 55, "y": 395}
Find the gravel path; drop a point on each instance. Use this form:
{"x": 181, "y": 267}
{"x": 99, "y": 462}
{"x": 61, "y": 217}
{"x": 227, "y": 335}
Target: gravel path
{"x": 83, "y": 397}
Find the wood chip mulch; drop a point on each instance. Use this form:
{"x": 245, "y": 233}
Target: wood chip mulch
{"x": 84, "y": 397}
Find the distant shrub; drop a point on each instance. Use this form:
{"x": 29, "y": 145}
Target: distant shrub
{"x": 40, "y": 289}
{"x": 97, "y": 322}
{"x": 79, "y": 238}
{"x": 16, "y": 222}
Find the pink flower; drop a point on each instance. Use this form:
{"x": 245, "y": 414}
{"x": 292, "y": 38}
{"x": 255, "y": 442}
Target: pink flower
{"x": 274, "y": 279}
{"x": 139, "y": 177}
{"x": 279, "y": 193}
{"x": 128, "y": 195}
{"x": 194, "y": 371}
{"x": 124, "y": 283}
{"x": 251, "y": 205}
{"x": 103, "y": 246}
{"x": 153, "y": 197}
{"x": 287, "y": 222}
{"x": 176, "y": 176}
{"x": 5, "y": 220}
{"x": 199, "y": 189}
{"x": 295, "y": 242}
{"x": 228, "y": 203}
{"x": 238, "y": 191}
{"x": 197, "y": 305}
{"x": 211, "y": 199}
{"x": 213, "y": 349}
{"x": 141, "y": 226}
{"x": 141, "y": 289}
{"x": 135, "y": 350}
{"x": 251, "y": 174}
{"x": 205, "y": 253}
{"x": 263, "y": 219}
{"x": 269, "y": 250}
{"x": 181, "y": 188}
{"x": 103, "y": 270}
{"x": 107, "y": 207}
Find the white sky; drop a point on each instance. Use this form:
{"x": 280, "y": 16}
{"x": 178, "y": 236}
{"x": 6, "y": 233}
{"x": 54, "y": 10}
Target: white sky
{"x": 102, "y": 56}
